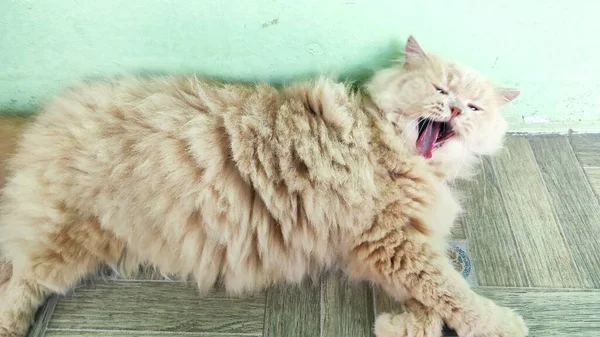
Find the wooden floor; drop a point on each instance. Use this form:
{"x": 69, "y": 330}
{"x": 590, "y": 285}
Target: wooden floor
{"x": 532, "y": 228}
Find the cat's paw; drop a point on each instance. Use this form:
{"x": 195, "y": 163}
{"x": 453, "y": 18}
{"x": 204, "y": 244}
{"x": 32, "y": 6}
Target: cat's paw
{"x": 8, "y": 333}
{"x": 509, "y": 324}
{"x": 9, "y": 326}
{"x": 387, "y": 325}
{"x": 407, "y": 324}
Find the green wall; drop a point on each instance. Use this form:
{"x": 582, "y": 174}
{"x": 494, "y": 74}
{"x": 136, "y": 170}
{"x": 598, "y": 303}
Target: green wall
{"x": 549, "y": 49}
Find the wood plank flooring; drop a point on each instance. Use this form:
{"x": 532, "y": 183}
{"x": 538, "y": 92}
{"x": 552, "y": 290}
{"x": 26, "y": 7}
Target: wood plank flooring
{"x": 532, "y": 224}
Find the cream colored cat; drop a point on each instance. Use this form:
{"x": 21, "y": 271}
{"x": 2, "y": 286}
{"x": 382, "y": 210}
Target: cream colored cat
{"x": 253, "y": 186}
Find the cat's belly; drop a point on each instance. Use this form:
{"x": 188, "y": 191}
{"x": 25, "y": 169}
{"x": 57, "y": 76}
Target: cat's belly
{"x": 239, "y": 244}
{"x": 241, "y": 263}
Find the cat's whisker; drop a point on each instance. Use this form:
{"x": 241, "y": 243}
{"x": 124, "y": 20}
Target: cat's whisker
{"x": 415, "y": 121}
{"x": 412, "y": 127}
{"x": 482, "y": 168}
{"x": 462, "y": 160}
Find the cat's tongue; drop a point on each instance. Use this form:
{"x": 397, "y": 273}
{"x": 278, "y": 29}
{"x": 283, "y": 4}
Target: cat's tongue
{"x": 427, "y": 138}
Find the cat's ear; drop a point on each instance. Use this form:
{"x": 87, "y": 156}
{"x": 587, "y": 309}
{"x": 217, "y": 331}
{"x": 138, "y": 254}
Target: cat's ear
{"x": 507, "y": 94}
{"x": 413, "y": 51}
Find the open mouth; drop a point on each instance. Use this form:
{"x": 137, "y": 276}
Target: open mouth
{"x": 432, "y": 135}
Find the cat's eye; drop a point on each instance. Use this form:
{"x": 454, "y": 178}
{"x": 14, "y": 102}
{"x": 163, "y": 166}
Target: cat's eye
{"x": 474, "y": 107}
{"x": 440, "y": 90}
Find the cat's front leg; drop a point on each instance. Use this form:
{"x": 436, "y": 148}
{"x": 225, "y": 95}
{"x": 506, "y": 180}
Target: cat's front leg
{"x": 405, "y": 262}
{"x": 416, "y": 321}
{"x": 434, "y": 282}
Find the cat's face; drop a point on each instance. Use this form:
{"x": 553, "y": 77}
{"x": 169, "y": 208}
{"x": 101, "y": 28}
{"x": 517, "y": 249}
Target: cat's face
{"x": 445, "y": 111}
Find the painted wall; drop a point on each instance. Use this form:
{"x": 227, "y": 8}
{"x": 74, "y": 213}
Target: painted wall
{"x": 549, "y": 49}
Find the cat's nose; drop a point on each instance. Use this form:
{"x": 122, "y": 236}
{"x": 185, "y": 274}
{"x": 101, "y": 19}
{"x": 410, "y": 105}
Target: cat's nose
{"x": 454, "y": 111}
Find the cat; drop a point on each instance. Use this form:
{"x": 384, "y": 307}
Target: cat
{"x": 10, "y": 129}
{"x": 250, "y": 185}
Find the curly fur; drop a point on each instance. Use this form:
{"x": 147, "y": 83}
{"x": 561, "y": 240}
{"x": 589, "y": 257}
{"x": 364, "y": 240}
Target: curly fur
{"x": 243, "y": 184}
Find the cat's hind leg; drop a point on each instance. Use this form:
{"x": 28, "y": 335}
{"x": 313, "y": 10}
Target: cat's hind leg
{"x": 27, "y": 289}
{"x": 53, "y": 262}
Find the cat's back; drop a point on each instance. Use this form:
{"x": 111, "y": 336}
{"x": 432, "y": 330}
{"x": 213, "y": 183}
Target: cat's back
{"x": 100, "y": 138}
{"x": 169, "y": 135}
{"x": 102, "y": 118}
{"x": 169, "y": 160}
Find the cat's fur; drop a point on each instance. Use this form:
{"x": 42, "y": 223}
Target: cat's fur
{"x": 252, "y": 185}
{"x": 11, "y": 127}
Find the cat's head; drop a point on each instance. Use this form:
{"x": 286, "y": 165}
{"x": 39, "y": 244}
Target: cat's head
{"x": 446, "y": 112}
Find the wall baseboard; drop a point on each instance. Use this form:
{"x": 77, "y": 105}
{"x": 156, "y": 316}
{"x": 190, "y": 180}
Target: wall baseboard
{"x": 562, "y": 128}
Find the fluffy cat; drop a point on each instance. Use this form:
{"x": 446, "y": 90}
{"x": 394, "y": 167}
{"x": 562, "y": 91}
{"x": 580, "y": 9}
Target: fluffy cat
{"x": 251, "y": 185}
{"x": 11, "y": 128}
